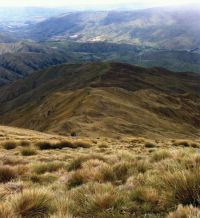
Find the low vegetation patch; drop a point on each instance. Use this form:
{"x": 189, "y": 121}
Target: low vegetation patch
{"x": 7, "y": 174}
{"x": 186, "y": 143}
{"x": 150, "y": 145}
{"x": 28, "y": 151}
{"x": 10, "y": 145}
{"x": 76, "y": 163}
{"x": 43, "y": 179}
{"x": 161, "y": 155}
{"x": 44, "y": 145}
{"x": 63, "y": 144}
{"x": 40, "y": 168}
{"x": 82, "y": 144}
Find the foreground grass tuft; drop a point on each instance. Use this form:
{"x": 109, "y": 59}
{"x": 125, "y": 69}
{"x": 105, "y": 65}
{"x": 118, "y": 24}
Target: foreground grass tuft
{"x": 182, "y": 187}
{"x": 101, "y": 200}
{"x": 124, "y": 179}
{"x": 33, "y": 203}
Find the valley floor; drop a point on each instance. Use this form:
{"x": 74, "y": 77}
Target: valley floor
{"x": 45, "y": 175}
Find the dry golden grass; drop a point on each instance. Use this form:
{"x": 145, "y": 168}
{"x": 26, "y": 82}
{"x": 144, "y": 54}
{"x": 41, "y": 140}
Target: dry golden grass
{"x": 185, "y": 212}
{"x": 28, "y": 151}
{"x": 100, "y": 177}
{"x": 33, "y": 203}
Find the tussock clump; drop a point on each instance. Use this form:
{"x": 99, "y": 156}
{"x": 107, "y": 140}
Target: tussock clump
{"x": 106, "y": 173}
{"x": 185, "y": 212}
{"x": 64, "y": 144}
{"x": 43, "y": 179}
{"x": 28, "y": 151}
{"x": 141, "y": 166}
{"x": 40, "y": 168}
{"x": 184, "y": 143}
{"x": 92, "y": 170}
{"x": 195, "y": 145}
{"x": 149, "y": 145}
{"x": 7, "y": 174}
{"x": 10, "y": 145}
{"x": 98, "y": 200}
{"x": 181, "y": 187}
{"x": 44, "y": 145}
{"x": 77, "y": 162}
{"x": 161, "y": 155}
{"x": 78, "y": 178}
{"x": 121, "y": 170}
{"x": 60, "y": 145}
{"x": 82, "y": 144}
{"x": 33, "y": 203}
{"x": 145, "y": 199}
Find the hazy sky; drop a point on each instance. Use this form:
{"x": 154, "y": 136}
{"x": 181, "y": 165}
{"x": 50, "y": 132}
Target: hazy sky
{"x": 90, "y": 3}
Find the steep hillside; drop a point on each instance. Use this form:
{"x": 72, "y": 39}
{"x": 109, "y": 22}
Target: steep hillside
{"x": 105, "y": 99}
{"x": 162, "y": 27}
{"x": 20, "y": 59}
{"x": 16, "y": 66}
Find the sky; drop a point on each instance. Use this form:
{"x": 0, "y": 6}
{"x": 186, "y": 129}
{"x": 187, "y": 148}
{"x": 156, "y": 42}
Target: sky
{"x": 92, "y": 3}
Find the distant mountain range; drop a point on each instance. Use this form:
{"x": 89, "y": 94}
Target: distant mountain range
{"x": 17, "y": 60}
{"x": 41, "y": 37}
{"x": 160, "y": 28}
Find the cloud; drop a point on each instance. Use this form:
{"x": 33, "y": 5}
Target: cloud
{"x": 53, "y": 3}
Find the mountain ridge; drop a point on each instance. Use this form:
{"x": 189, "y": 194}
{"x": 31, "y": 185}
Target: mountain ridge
{"x": 105, "y": 99}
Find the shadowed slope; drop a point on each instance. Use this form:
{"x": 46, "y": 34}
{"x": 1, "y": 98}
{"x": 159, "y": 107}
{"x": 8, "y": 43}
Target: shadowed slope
{"x": 105, "y": 99}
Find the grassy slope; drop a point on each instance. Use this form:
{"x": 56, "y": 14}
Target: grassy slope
{"x": 18, "y": 134}
{"x": 105, "y": 99}
{"x": 48, "y": 175}
{"x": 100, "y": 177}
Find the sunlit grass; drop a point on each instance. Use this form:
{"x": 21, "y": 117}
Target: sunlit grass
{"x": 91, "y": 180}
